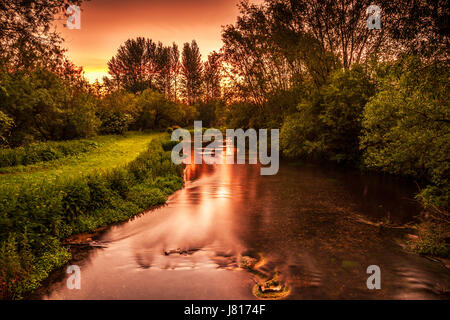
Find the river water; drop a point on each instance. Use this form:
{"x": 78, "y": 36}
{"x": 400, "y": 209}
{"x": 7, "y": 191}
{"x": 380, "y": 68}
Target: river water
{"x": 303, "y": 221}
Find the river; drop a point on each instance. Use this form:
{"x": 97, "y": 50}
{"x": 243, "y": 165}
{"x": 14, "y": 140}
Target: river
{"x": 304, "y": 222}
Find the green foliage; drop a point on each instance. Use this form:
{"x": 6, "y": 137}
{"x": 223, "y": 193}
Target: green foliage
{"x": 6, "y": 123}
{"x": 168, "y": 145}
{"x": 242, "y": 115}
{"x": 35, "y": 217}
{"x": 207, "y": 112}
{"x": 120, "y": 180}
{"x": 44, "y": 151}
{"x": 22, "y": 270}
{"x": 100, "y": 193}
{"x": 430, "y": 241}
{"x": 299, "y": 136}
{"x": 75, "y": 198}
{"x": 343, "y": 101}
{"x": 156, "y": 112}
{"x": 407, "y": 125}
{"x": 81, "y": 120}
{"x": 328, "y": 122}
{"x": 117, "y": 111}
{"x": 45, "y": 106}
{"x": 115, "y": 123}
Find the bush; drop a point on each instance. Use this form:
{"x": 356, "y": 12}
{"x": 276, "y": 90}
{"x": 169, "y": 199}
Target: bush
{"x": 430, "y": 241}
{"x": 76, "y": 198}
{"x": 44, "y": 151}
{"x": 406, "y": 128}
{"x": 100, "y": 194}
{"x": 115, "y": 122}
{"x": 156, "y": 112}
{"x": 46, "y": 106}
{"x": 168, "y": 145}
{"x": 6, "y": 123}
{"x": 328, "y": 122}
{"x": 119, "y": 180}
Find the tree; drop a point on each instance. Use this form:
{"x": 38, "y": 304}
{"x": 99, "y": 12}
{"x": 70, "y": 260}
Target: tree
{"x": 6, "y": 123}
{"x": 212, "y": 77}
{"x": 175, "y": 68}
{"x": 117, "y": 111}
{"x": 281, "y": 44}
{"x": 143, "y": 64}
{"x": 328, "y": 122}
{"x": 25, "y": 32}
{"x": 191, "y": 72}
{"x": 130, "y": 66}
{"x": 156, "y": 112}
{"x": 406, "y": 125}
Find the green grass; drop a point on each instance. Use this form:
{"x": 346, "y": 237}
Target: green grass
{"x": 112, "y": 151}
{"x": 43, "y": 152}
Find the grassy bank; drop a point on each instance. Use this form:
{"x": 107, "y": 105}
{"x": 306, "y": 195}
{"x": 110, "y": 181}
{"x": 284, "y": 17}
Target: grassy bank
{"x": 43, "y": 152}
{"x": 110, "y": 151}
{"x": 42, "y": 205}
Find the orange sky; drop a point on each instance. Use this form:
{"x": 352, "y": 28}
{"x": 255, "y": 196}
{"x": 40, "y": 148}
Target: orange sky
{"x": 106, "y": 24}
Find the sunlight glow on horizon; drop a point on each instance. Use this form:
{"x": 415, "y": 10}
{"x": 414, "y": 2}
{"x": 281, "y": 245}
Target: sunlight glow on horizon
{"x": 107, "y": 24}
{"x": 92, "y": 74}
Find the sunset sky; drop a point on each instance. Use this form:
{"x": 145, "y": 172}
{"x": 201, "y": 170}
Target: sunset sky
{"x": 106, "y": 24}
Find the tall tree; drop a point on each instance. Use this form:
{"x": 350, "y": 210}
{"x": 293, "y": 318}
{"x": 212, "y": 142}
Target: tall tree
{"x": 163, "y": 66}
{"x": 212, "y": 77}
{"x": 26, "y": 37}
{"x": 141, "y": 64}
{"x": 175, "y": 68}
{"x": 130, "y": 65}
{"x": 191, "y": 72}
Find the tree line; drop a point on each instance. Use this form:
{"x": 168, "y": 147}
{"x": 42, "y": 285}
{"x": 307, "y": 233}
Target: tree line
{"x": 144, "y": 64}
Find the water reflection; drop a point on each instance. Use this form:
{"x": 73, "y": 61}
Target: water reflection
{"x": 299, "y": 221}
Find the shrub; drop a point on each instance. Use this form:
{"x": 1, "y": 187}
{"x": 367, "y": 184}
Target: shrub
{"x": 119, "y": 180}
{"x": 44, "y": 151}
{"x": 76, "y": 198}
{"x": 168, "y": 145}
{"x": 328, "y": 122}
{"x": 430, "y": 240}
{"x": 146, "y": 197}
{"x": 100, "y": 195}
{"x": 6, "y": 123}
{"x": 115, "y": 122}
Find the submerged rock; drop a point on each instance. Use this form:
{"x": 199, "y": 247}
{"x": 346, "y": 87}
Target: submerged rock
{"x": 179, "y": 251}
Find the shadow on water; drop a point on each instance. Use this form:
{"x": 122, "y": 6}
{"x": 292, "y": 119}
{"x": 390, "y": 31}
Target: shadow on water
{"x": 298, "y": 223}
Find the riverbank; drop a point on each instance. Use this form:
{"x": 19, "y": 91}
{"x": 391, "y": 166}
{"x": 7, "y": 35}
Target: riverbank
{"x": 53, "y": 201}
